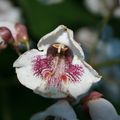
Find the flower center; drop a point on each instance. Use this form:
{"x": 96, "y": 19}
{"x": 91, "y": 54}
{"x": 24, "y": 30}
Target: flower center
{"x": 60, "y": 50}
{"x": 57, "y": 67}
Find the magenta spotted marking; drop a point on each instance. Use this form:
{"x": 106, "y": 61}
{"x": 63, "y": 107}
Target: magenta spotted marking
{"x": 56, "y": 70}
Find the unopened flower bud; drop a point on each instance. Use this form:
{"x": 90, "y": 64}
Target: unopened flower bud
{"x": 5, "y": 34}
{"x": 22, "y": 35}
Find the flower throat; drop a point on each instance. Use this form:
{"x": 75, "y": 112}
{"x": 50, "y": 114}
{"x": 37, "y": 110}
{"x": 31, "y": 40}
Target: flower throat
{"x": 57, "y": 68}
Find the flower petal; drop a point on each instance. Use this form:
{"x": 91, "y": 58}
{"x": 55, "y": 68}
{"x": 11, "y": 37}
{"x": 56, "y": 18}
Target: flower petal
{"x": 101, "y": 109}
{"x": 26, "y": 58}
{"x": 52, "y": 92}
{"x": 27, "y": 77}
{"x": 24, "y": 70}
{"x": 86, "y": 79}
{"x": 64, "y": 36}
{"x": 61, "y": 109}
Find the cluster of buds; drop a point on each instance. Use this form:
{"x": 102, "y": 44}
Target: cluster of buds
{"x": 14, "y": 34}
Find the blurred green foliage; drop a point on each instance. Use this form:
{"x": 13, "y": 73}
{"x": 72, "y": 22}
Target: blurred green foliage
{"x": 41, "y": 19}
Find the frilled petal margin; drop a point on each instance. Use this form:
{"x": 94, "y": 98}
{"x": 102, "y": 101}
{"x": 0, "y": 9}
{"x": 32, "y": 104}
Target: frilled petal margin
{"x": 59, "y": 111}
{"x": 58, "y": 68}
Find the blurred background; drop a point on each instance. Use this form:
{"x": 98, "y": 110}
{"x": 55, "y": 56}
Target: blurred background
{"x": 96, "y": 27}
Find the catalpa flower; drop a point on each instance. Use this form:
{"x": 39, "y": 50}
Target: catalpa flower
{"x": 59, "y": 111}
{"x": 58, "y": 68}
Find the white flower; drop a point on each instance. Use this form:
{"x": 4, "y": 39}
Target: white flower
{"x": 59, "y": 111}
{"x": 58, "y": 68}
{"x": 50, "y": 2}
{"x": 103, "y": 7}
{"x": 87, "y": 37}
{"x": 100, "y": 108}
{"x": 8, "y": 12}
